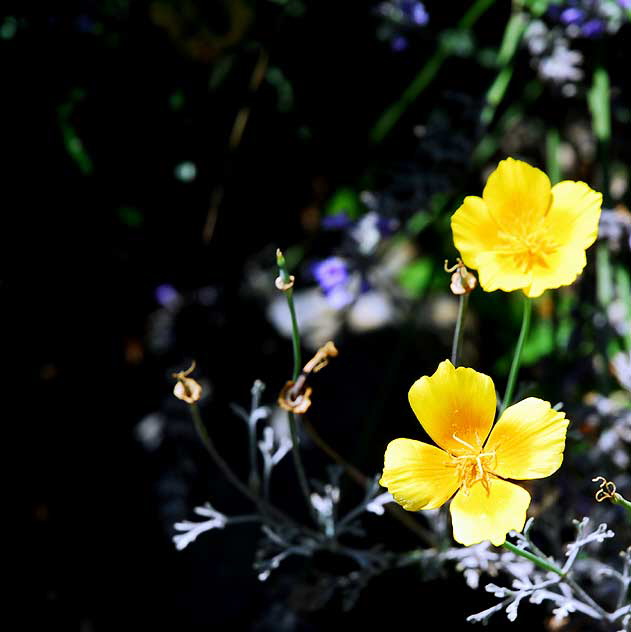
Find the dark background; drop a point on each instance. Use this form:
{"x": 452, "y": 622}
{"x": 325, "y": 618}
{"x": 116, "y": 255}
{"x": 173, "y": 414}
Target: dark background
{"x": 97, "y": 553}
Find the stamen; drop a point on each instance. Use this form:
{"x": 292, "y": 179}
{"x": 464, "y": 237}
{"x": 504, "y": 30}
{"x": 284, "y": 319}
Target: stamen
{"x": 464, "y": 443}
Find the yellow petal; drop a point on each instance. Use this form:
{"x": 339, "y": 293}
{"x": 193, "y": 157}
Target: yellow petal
{"x": 517, "y": 195}
{"x": 417, "y": 474}
{"x": 574, "y": 214}
{"x": 474, "y": 230}
{"x": 458, "y": 402}
{"x": 558, "y": 268}
{"x": 481, "y": 516}
{"x": 528, "y": 440}
{"x": 498, "y": 271}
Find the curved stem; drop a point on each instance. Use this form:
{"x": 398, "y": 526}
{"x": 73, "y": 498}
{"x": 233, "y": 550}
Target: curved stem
{"x": 229, "y": 474}
{"x": 513, "y": 34}
{"x": 425, "y": 76}
{"x": 550, "y": 566}
{"x": 295, "y": 335}
{"x": 514, "y": 369}
{"x": 456, "y": 346}
{"x": 300, "y": 470}
{"x": 399, "y": 514}
{"x": 618, "y": 499}
{"x": 295, "y": 339}
{"x": 535, "y": 559}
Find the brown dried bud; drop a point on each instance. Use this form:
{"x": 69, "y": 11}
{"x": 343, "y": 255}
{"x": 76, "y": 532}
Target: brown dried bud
{"x": 462, "y": 281}
{"x": 187, "y": 389}
{"x": 321, "y": 358}
{"x": 606, "y": 490}
{"x": 295, "y": 403}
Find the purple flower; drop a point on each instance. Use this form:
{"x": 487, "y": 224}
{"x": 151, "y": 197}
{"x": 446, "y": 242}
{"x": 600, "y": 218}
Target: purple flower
{"x": 330, "y": 273}
{"x": 625, "y": 4}
{"x": 339, "y": 221}
{"x": 166, "y": 295}
{"x": 333, "y": 276}
{"x": 592, "y": 28}
{"x": 416, "y": 12}
{"x": 572, "y": 15}
{"x": 399, "y": 43}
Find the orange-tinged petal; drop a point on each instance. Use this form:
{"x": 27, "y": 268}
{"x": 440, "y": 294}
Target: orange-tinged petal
{"x": 517, "y": 195}
{"x": 418, "y": 474}
{"x": 474, "y": 230}
{"x": 498, "y": 271}
{"x": 483, "y": 515}
{"x": 556, "y": 269}
{"x": 528, "y": 440}
{"x": 574, "y": 214}
{"x": 456, "y": 402}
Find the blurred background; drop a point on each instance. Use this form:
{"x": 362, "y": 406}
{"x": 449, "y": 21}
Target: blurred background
{"x": 161, "y": 152}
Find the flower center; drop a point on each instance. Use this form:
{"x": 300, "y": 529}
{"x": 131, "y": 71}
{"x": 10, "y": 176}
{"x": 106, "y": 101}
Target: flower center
{"x": 529, "y": 245}
{"x": 474, "y": 467}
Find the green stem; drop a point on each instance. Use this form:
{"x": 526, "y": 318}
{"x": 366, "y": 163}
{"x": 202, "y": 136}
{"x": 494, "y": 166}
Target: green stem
{"x": 604, "y": 280}
{"x": 300, "y": 470}
{"x": 217, "y": 458}
{"x": 535, "y": 559}
{"x": 489, "y": 143}
{"x": 618, "y": 499}
{"x": 289, "y": 295}
{"x": 456, "y": 346}
{"x": 514, "y": 369}
{"x": 425, "y": 76}
{"x": 295, "y": 338}
{"x": 254, "y": 480}
{"x": 513, "y": 33}
{"x": 549, "y": 566}
{"x": 264, "y": 507}
{"x": 553, "y": 139}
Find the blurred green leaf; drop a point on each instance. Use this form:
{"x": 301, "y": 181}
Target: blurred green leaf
{"x": 130, "y": 216}
{"x": 418, "y": 222}
{"x": 598, "y": 99}
{"x": 416, "y": 276}
{"x": 73, "y": 143}
{"x": 344, "y": 200}
{"x": 221, "y": 69}
{"x": 284, "y": 89}
{"x": 540, "y": 342}
{"x": 458, "y": 42}
{"x": 176, "y": 100}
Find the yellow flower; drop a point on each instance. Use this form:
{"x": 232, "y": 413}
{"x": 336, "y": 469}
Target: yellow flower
{"x": 456, "y": 408}
{"x": 523, "y": 234}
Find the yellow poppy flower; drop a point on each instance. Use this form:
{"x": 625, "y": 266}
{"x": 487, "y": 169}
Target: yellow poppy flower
{"x": 456, "y": 407}
{"x": 523, "y": 233}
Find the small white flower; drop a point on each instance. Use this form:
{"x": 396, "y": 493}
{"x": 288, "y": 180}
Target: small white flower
{"x": 190, "y": 530}
{"x": 376, "y": 504}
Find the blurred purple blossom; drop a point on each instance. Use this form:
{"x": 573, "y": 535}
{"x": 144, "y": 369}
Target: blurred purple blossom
{"x": 615, "y": 227}
{"x": 339, "y": 221}
{"x": 330, "y": 272}
{"x": 400, "y": 18}
{"x": 572, "y": 15}
{"x": 589, "y": 18}
{"x": 333, "y": 277}
{"x": 166, "y": 295}
{"x": 593, "y": 27}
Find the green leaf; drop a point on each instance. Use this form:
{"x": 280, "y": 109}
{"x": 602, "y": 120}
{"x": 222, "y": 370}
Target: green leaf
{"x": 130, "y": 216}
{"x": 344, "y": 200}
{"x": 539, "y": 343}
{"x": 415, "y": 277}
